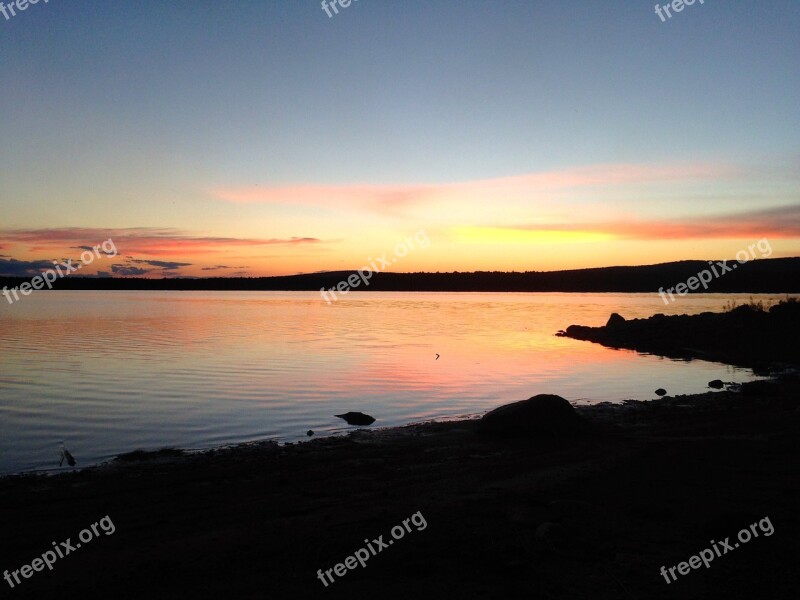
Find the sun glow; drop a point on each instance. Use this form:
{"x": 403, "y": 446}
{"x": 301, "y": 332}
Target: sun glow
{"x": 499, "y": 235}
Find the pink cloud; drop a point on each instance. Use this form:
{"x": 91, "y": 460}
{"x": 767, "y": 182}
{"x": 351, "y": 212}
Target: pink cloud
{"x": 148, "y": 241}
{"x": 385, "y": 198}
{"x": 779, "y": 222}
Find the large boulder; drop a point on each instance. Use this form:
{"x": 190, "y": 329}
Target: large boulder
{"x": 615, "y": 319}
{"x": 542, "y": 415}
{"x": 357, "y": 418}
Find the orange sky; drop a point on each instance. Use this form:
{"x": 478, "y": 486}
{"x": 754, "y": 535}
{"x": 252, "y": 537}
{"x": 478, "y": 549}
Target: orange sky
{"x": 585, "y": 217}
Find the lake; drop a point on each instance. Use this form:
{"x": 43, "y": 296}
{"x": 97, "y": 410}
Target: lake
{"x": 110, "y": 372}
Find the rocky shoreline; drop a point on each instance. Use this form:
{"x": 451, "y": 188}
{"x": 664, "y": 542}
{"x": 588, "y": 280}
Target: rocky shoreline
{"x": 747, "y": 335}
{"x": 554, "y": 516}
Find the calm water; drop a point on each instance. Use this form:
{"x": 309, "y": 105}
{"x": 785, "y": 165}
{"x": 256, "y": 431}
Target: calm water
{"x": 111, "y": 372}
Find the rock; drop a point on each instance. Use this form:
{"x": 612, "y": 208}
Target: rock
{"x": 356, "y": 418}
{"x": 746, "y": 336}
{"x": 545, "y": 414}
{"x": 309, "y": 433}
{"x": 716, "y": 384}
{"x": 661, "y": 392}
{"x": 615, "y": 319}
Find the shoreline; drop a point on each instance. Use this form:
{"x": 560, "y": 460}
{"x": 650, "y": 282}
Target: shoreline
{"x": 754, "y": 277}
{"x": 177, "y": 455}
{"x": 602, "y": 411}
{"x": 560, "y": 517}
{"x": 750, "y": 335}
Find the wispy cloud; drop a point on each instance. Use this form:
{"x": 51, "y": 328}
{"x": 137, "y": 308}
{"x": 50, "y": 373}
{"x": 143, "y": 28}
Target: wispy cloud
{"x": 92, "y": 249}
{"x": 387, "y": 198}
{"x": 147, "y": 241}
{"x": 163, "y": 264}
{"x": 222, "y": 267}
{"x": 161, "y": 268}
{"x": 125, "y": 270}
{"x": 383, "y": 198}
{"x": 776, "y": 222}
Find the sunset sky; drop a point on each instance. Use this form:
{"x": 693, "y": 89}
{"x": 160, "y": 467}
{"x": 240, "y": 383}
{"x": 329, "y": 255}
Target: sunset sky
{"x": 265, "y": 138}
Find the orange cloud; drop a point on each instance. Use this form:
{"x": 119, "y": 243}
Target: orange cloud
{"x": 778, "y": 222}
{"x": 147, "y": 241}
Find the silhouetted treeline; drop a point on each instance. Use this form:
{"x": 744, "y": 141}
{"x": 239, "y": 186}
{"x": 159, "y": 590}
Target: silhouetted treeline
{"x": 777, "y": 275}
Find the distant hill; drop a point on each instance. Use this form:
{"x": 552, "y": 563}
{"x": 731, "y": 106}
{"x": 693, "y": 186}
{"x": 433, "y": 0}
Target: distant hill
{"x": 777, "y": 275}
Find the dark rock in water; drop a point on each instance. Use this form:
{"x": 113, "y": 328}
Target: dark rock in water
{"x": 661, "y": 392}
{"x": 545, "y": 414}
{"x": 615, "y": 319}
{"x": 716, "y": 384}
{"x": 309, "y": 433}
{"x": 356, "y": 418}
{"x": 746, "y": 335}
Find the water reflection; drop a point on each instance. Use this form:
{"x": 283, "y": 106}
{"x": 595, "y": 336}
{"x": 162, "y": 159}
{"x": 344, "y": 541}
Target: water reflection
{"x": 114, "y": 371}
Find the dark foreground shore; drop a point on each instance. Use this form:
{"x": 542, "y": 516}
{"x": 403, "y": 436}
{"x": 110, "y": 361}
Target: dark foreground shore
{"x": 594, "y": 516}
